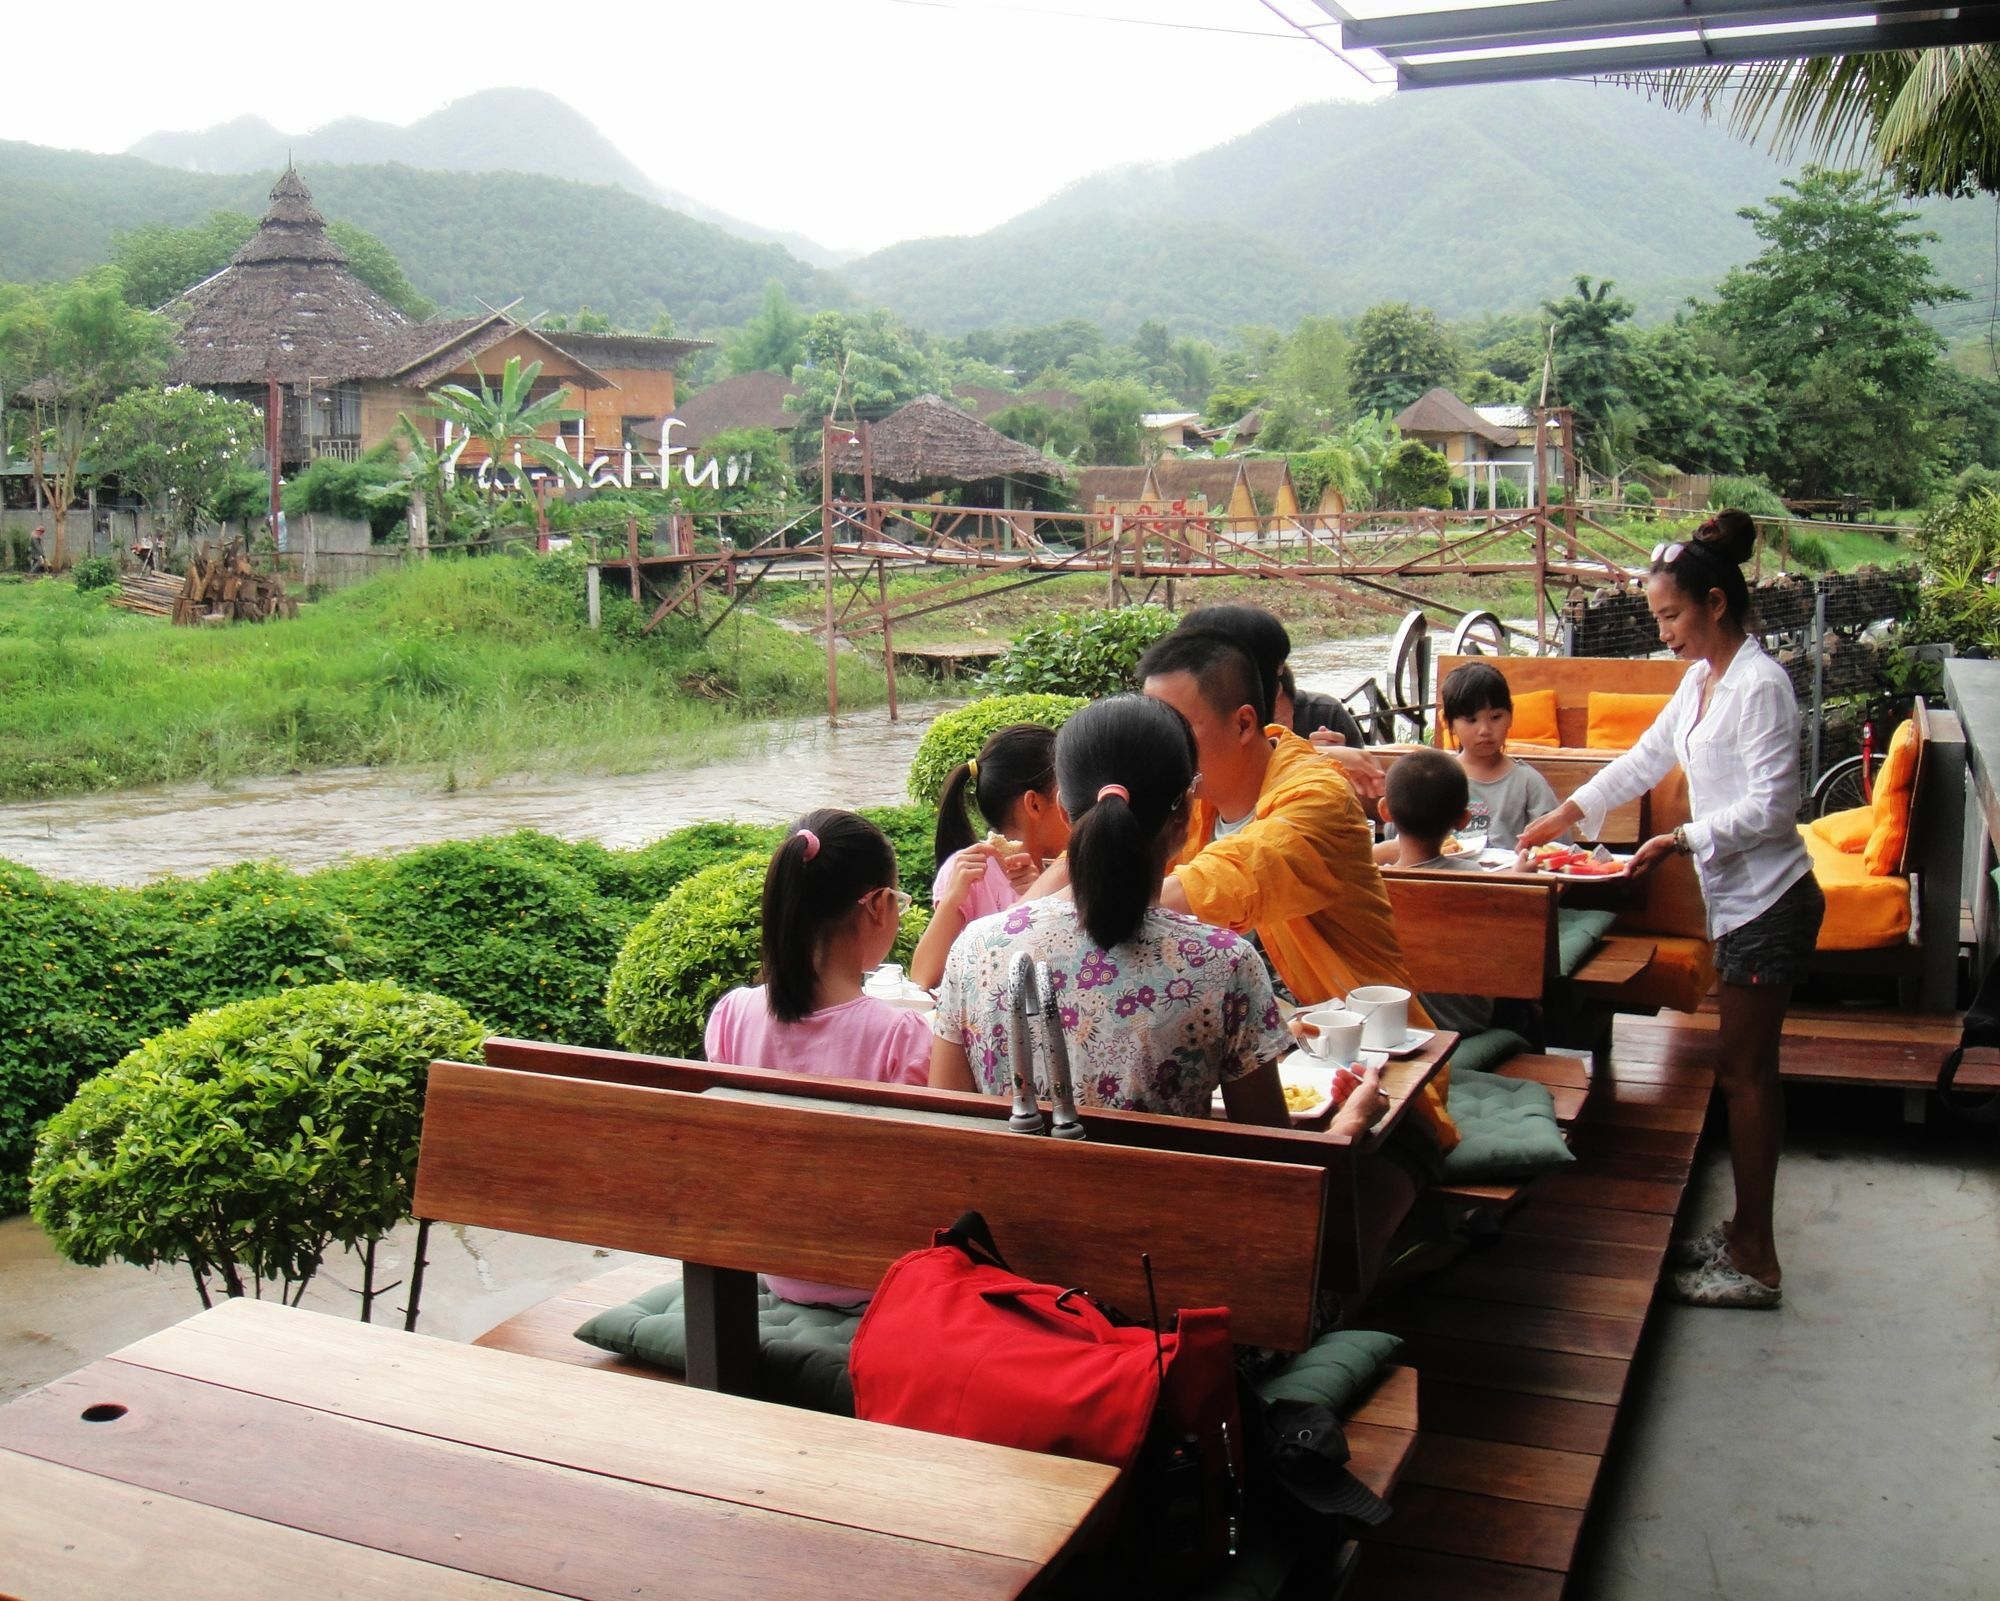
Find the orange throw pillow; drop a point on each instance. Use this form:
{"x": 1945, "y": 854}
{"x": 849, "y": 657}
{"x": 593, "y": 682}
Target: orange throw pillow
{"x": 1616, "y": 721}
{"x": 1893, "y": 787}
{"x": 1846, "y": 831}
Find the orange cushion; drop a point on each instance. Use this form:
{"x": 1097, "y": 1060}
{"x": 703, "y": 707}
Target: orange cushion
{"x": 1864, "y": 911}
{"x": 1534, "y": 721}
{"x": 1893, "y": 785}
{"x": 1848, "y": 830}
{"x": 1615, "y": 722}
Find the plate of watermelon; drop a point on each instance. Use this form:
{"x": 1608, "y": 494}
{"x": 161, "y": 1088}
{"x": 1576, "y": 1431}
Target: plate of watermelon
{"x": 1573, "y": 861}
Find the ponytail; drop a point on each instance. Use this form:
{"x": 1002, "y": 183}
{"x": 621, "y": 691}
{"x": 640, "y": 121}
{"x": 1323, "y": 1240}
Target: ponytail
{"x": 1013, "y": 761}
{"x": 818, "y": 874}
{"x": 1124, "y": 767}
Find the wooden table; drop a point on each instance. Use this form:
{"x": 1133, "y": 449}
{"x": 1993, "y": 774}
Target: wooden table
{"x": 259, "y": 1450}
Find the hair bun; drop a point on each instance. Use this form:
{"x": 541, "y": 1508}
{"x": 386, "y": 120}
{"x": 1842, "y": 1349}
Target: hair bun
{"x": 1730, "y": 534}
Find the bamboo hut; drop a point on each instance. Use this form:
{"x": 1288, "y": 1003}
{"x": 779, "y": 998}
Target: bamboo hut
{"x": 930, "y": 446}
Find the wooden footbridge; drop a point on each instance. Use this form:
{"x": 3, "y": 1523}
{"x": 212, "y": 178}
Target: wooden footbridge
{"x": 853, "y": 547}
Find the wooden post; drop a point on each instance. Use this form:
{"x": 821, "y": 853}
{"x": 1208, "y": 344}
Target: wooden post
{"x": 632, "y": 554}
{"x": 826, "y": 565}
{"x": 888, "y": 645}
{"x": 1111, "y": 569}
{"x": 593, "y": 583}
{"x": 1541, "y": 532}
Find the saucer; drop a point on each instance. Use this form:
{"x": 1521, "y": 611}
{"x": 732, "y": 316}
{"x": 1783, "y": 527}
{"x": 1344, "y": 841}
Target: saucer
{"x": 1412, "y": 1042}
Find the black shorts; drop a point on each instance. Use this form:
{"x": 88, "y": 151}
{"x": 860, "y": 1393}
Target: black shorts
{"x": 1776, "y": 946}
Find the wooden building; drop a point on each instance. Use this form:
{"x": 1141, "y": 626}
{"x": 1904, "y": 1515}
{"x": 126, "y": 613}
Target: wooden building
{"x": 1248, "y": 496}
{"x": 288, "y": 311}
{"x": 1482, "y": 443}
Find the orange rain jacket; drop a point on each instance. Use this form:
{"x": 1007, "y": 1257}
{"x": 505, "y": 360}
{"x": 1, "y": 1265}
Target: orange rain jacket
{"x": 1302, "y": 874}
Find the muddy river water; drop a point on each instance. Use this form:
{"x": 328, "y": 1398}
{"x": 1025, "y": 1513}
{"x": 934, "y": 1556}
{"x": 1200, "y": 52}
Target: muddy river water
{"x": 770, "y": 773}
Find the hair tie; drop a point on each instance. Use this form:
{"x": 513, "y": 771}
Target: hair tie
{"x": 812, "y": 842}
{"x": 972, "y": 770}
{"x": 1119, "y": 790}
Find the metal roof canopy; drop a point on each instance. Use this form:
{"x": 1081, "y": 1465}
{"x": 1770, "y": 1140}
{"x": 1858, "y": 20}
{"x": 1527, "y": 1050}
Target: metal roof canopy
{"x": 1440, "y": 45}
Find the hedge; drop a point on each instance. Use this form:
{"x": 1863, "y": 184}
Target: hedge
{"x": 521, "y": 929}
{"x": 957, "y": 735}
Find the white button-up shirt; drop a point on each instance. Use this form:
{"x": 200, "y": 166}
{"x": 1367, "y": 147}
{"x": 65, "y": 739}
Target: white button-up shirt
{"x": 1742, "y": 762}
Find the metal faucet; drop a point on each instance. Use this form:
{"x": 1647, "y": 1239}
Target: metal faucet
{"x": 1022, "y": 1002}
{"x": 1062, "y": 1091}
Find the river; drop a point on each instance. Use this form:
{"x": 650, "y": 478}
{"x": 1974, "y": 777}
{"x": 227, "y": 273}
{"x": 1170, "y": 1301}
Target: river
{"x": 771, "y": 773}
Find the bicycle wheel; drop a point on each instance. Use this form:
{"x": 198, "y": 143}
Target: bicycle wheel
{"x": 1839, "y": 788}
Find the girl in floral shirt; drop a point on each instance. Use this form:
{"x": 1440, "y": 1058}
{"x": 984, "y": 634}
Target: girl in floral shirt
{"x": 1158, "y": 1008}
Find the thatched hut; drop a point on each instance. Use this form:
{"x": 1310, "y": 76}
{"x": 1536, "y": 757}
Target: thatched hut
{"x": 931, "y": 445}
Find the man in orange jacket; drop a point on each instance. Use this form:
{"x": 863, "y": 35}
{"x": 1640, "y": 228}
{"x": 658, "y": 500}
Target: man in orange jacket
{"x": 1278, "y": 843}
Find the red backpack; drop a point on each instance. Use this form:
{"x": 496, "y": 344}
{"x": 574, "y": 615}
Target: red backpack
{"x": 956, "y": 1342}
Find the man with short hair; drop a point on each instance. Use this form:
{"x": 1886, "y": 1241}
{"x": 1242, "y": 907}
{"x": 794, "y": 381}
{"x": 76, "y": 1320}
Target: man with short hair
{"x": 1278, "y": 843}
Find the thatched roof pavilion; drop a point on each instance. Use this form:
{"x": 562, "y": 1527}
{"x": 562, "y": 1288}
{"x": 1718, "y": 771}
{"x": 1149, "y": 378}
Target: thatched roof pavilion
{"x": 931, "y": 444}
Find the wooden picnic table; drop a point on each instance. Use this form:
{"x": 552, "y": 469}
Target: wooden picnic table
{"x": 256, "y": 1449}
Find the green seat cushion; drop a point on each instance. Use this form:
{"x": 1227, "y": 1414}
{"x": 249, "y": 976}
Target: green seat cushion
{"x": 1332, "y": 1372}
{"x": 1506, "y": 1129}
{"x": 1486, "y": 1050}
{"x": 802, "y": 1351}
{"x": 1578, "y": 934}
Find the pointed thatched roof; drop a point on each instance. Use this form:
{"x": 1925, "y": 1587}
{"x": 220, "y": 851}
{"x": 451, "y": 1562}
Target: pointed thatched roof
{"x": 286, "y": 307}
{"x": 930, "y": 441}
{"x": 1441, "y": 412}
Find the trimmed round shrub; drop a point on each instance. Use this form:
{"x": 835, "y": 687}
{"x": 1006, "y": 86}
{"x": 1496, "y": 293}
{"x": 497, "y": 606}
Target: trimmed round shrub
{"x": 1092, "y": 653}
{"x": 912, "y": 831}
{"x": 957, "y": 735}
{"x": 522, "y": 940}
{"x": 1638, "y": 494}
{"x": 696, "y": 944}
{"x": 248, "y": 1141}
{"x": 656, "y": 869}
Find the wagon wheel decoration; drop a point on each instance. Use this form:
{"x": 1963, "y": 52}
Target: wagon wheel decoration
{"x": 1410, "y": 669}
{"x": 1479, "y": 633}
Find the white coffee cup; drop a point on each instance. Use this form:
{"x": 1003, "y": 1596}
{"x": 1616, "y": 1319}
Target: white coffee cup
{"x": 886, "y": 980}
{"x": 1387, "y": 1010}
{"x": 1339, "y": 1034}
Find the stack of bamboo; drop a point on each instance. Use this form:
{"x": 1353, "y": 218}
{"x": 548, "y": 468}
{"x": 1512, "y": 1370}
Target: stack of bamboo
{"x": 225, "y": 587}
{"x": 155, "y": 594}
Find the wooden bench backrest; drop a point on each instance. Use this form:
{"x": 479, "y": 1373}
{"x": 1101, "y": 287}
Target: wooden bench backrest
{"x": 837, "y": 1196}
{"x": 1466, "y": 935}
{"x": 1573, "y": 678}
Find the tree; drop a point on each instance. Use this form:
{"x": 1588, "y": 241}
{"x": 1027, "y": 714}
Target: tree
{"x": 1312, "y": 373}
{"x": 375, "y": 264}
{"x": 1830, "y": 315}
{"x": 72, "y": 350}
{"x": 1400, "y": 352}
{"x": 1416, "y": 475}
{"x": 507, "y": 421}
{"x": 179, "y": 447}
{"x": 1112, "y": 408}
{"x": 1592, "y": 353}
{"x": 1227, "y": 402}
{"x": 769, "y": 341}
{"x": 1058, "y": 433}
{"x": 863, "y": 363}
{"x": 1697, "y": 414}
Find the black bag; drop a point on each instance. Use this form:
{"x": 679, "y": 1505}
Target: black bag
{"x": 1981, "y": 1031}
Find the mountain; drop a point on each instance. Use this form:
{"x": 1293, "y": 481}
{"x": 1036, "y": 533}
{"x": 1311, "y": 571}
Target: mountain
{"x": 494, "y": 130}
{"x": 1467, "y": 200}
{"x": 463, "y": 237}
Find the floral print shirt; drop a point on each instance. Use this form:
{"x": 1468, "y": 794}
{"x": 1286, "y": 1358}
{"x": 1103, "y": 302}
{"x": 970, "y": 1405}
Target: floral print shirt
{"x": 1153, "y": 1026}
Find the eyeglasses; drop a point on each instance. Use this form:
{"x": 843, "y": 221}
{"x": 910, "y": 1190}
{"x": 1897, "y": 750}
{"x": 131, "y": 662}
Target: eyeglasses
{"x": 902, "y": 898}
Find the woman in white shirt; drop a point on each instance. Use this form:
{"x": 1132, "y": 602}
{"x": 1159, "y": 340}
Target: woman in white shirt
{"x": 1734, "y": 726}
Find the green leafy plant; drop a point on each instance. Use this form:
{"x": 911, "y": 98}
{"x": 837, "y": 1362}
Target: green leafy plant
{"x": 1958, "y": 545}
{"x": 1091, "y": 653}
{"x": 1753, "y": 495}
{"x": 95, "y": 572}
{"x": 1416, "y": 475}
{"x": 957, "y": 735}
{"x": 911, "y": 831}
{"x": 252, "y": 1139}
{"x": 701, "y": 941}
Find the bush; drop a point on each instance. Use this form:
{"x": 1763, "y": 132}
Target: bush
{"x": 519, "y": 938}
{"x": 248, "y": 1141}
{"x": 657, "y": 869}
{"x": 1753, "y": 495}
{"x": 1637, "y": 494}
{"x": 957, "y": 735}
{"x": 95, "y": 572}
{"x": 1809, "y": 550}
{"x": 701, "y": 941}
{"x": 1959, "y": 544}
{"x": 1415, "y": 475}
{"x": 1079, "y": 653}
{"x": 912, "y": 832}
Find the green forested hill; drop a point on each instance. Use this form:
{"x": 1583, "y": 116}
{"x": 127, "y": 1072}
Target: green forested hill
{"x": 1467, "y": 200}
{"x": 463, "y": 237}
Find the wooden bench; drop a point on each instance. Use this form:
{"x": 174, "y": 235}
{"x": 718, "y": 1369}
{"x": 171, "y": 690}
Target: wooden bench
{"x": 1471, "y": 934}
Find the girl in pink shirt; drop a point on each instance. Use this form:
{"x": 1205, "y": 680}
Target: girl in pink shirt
{"x": 831, "y": 911}
{"x": 1013, "y": 783}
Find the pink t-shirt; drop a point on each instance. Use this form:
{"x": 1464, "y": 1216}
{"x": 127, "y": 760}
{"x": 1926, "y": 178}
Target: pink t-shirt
{"x": 993, "y": 893}
{"x": 863, "y": 1038}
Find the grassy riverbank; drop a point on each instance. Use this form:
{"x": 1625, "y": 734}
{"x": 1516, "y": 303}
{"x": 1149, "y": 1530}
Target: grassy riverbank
{"x": 481, "y": 667}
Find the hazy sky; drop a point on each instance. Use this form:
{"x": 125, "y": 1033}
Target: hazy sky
{"x": 856, "y": 122}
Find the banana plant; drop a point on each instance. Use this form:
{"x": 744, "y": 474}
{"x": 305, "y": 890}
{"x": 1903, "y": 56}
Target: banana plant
{"x": 507, "y": 421}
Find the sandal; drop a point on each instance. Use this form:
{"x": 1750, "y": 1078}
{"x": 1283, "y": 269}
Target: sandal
{"x": 1720, "y": 1282}
{"x": 1700, "y": 1250}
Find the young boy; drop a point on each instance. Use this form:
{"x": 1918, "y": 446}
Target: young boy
{"x": 1506, "y": 795}
{"x": 1425, "y": 798}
